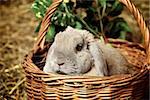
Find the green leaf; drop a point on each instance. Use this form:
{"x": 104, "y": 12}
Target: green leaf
{"x": 35, "y": 8}
{"x": 102, "y": 3}
{"x": 38, "y": 27}
{"x": 78, "y": 25}
{"x": 125, "y": 27}
{"x": 50, "y": 33}
{"x": 116, "y": 9}
{"x": 38, "y": 15}
{"x": 39, "y": 7}
{"x": 116, "y": 28}
{"x": 93, "y": 10}
{"x": 122, "y": 35}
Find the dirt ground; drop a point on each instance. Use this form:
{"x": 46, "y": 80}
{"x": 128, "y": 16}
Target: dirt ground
{"x": 17, "y": 25}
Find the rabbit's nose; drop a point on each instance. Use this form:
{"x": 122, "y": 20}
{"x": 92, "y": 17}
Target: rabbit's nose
{"x": 60, "y": 64}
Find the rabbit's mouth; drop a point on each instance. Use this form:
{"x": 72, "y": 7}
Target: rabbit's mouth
{"x": 66, "y": 73}
{"x": 60, "y": 72}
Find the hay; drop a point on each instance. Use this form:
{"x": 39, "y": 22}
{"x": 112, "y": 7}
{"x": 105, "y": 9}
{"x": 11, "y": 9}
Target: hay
{"x": 17, "y": 24}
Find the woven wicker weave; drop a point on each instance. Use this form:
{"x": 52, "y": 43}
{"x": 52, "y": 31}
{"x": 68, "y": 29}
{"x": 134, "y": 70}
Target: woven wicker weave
{"x": 42, "y": 86}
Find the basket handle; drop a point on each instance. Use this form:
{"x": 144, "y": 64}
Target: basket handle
{"x": 139, "y": 18}
{"x": 142, "y": 25}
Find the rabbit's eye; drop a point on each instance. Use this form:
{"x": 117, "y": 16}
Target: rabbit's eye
{"x": 79, "y": 47}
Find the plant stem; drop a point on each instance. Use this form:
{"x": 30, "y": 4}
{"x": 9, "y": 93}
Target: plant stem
{"x": 80, "y": 19}
{"x": 87, "y": 26}
{"x": 65, "y": 6}
{"x": 16, "y": 86}
{"x": 100, "y": 19}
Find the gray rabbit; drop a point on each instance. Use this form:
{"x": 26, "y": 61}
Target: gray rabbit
{"x": 76, "y": 52}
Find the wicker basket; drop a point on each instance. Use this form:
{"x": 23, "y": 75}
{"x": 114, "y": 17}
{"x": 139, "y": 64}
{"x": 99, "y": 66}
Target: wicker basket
{"x": 42, "y": 86}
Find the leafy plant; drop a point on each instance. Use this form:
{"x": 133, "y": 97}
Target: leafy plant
{"x": 40, "y": 6}
{"x": 100, "y": 17}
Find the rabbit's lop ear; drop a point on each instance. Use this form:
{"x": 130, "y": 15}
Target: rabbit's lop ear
{"x": 99, "y": 61}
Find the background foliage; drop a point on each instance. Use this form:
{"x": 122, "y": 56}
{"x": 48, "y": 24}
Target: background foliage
{"x": 100, "y": 17}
